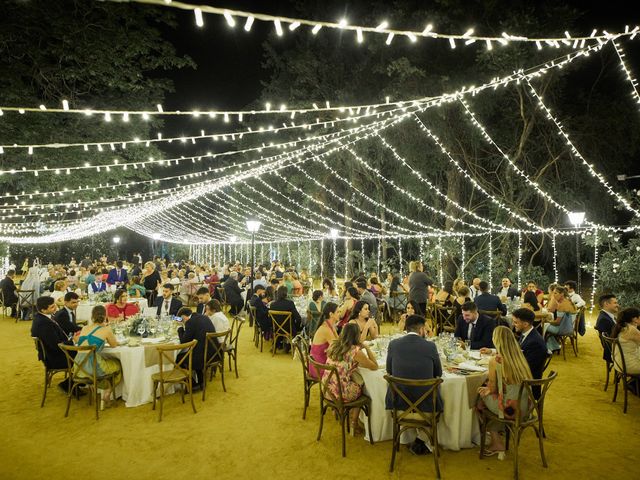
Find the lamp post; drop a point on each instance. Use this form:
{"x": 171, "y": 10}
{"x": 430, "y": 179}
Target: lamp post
{"x": 577, "y": 219}
{"x": 116, "y": 242}
{"x": 253, "y": 226}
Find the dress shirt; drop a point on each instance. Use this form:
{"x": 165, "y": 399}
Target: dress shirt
{"x": 523, "y": 335}
{"x": 472, "y": 325}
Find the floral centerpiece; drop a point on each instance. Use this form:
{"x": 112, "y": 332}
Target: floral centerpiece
{"x": 103, "y": 297}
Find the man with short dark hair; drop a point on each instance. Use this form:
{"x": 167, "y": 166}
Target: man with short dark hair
{"x": 203, "y": 298}
{"x": 196, "y": 327}
{"x": 607, "y": 319}
{"x": 167, "y": 304}
{"x": 577, "y": 300}
{"x": 117, "y": 276}
{"x": 367, "y": 296}
{"x": 476, "y": 328}
{"x": 413, "y": 357}
{"x": 51, "y": 334}
{"x": 531, "y": 342}
{"x": 66, "y": 316}
{"x": 8, "y": 289}
{"x": 487, "y": 301}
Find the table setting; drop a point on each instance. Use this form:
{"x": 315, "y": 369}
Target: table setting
{"x": 463, "y": 371}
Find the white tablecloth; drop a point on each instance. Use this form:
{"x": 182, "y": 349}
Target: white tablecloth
{"x": 136, "y": 387}
{"x": 457, "y": 427}
{"x": 83, "y": 312}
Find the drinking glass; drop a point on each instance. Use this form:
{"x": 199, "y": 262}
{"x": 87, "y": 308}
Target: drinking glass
{"x": 141, "y": 329}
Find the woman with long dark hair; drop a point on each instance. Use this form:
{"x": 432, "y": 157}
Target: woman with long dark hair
{"x": 361, "y": 317}
{"x": 626, "y": 331}
{"x": 344, "y": 311}
{"x": 324, "y": 336}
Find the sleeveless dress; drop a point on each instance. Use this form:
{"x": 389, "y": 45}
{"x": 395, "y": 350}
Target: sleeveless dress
{"x": 105, "y": 366}
{"x": 351, "y": 390}
{"x": 565, "y": 327}
{"x": 631, "y": 351}
{"x": 502, "y": 403}
{"x": 319, "y": 354}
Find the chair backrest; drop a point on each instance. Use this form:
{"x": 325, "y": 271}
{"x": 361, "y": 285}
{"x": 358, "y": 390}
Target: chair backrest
{"x": 547, "y": 362}
{"x": 281, "y": 322}
{"x": 26, "y": 297}
{"x": 576, "y": 321}
{"x": 166, "y": 357}
{"x": 313, "y": 320}
{"x": 618, "y": 361}
{"x": 78, "y": 365}
{"x": 412, "y": 407}
{"x": 222, "y": 294}
{"x": 236, "y": 325}
{"x": 607, "y": 344}
{"x": 328, "y": 374}
{"x": 302, "y": 348}
{"x": 535, "y": 405}
{"x": 495, "y": 314}
{"x": 40, "y": 349}
{"x": 252, "y": 313}
{"x": 217, "y": 348}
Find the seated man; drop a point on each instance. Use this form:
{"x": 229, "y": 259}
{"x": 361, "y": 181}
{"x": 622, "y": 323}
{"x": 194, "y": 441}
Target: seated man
{"x": 196, "y": 327}
{"x": 204, "y": 296}
{"x": 577, "y": 300}
{"x": 167, "y": 304}
{"x": 507, "y": 290}
{"x": 283, "y": 304}
{"x": 412, "y": 357}
{"x": 607, "y": 319}
{"x": 476, "y": 328}
{"x": 531, "y": 342}
{"x": 233, "y": 293}
{"x": 51, "y": 334}
{"x": 488, "y": 301}
{"x": 66, "y": 316}
{"x": 97, "y": 286}
{"x": 8, "y": 288}
{"x": 261, "y": 301}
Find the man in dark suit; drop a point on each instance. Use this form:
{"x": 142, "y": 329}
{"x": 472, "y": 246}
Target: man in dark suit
{"x": 8, "y": 288}
{"x": 283, "y": 304}
{"x": 476, "y": 328}
{"x": 233, "y": 293}
{"x": 66, "y": 316}
{"x": 167, "y": 304}
{"x": 531, "y": 342}
{"x": 117, "y": 276}
{"x": 196, "y": 327}
{"x": 204, "y": 296}
{"x": 51, "y": 334}
{"x": 507, "y": 290}
{"x": 412, "y": 357}
{"x": 607, "y": 319}
{"x": 487, "y": 301}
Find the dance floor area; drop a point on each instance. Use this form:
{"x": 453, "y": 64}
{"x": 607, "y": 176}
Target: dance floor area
{"x": 255, "y": 429}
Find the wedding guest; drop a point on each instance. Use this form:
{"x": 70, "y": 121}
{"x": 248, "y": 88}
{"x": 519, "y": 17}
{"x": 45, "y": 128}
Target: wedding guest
{"x": 531, "y": 342}
{"x": 577, "y": 300}
{"x": 562, "y": 324}
{"x": 136, "y": 290}
{"x": 204, "y": 297}
{"x": 233, "y": 293}
{"x": 532, "y": 287}
{"x": 345, "y": 309}
{"x": 118, "y": 275}
{"x": 627, "y": 333}
{"x": 328, "y": 290}
{"x": 367, "y": 296}
{"x": 261, "y": 302}
{"x": 167, "y": 304}
{"x": 419, "y": 284}
{"x": 361, "y": 317}
{"x": 151, "y": 281}
{"x": 445, "y": 296}
{"x": 59, "y": 290}
{"x": 412, "y": 309}
{"x": 196, "y": 327}
{"x": 97, "y": 286}
{"x": 317, "y": 303}
{"x": 283, "y": 304}
{"x": 462, "y": 297}
{"x": 530, "y": 300}
{"x": 507, "y": 290}
{"x": 474, "y": 289}
{"x": 376, "y": 289}
{"x": 399, "y": 300}
{"x": 213, "y": 310}
{"x": 512, "y": 368}
{"x": 487, "y": 301}
{"x": 66, "y": 316}
{"x": 325, "y": 335}
{"x": 412, "y": 357}
{"x": 476, "y": 328}
{"x": 298, "y": 290}
{"x": 120, "y": 310}
{"x": 347, "y": 354}
{"x": 606, "y": 322}
{"x": 8, "y": 289}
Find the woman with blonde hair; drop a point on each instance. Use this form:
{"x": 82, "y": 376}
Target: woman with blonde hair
{"x": 507, "y": 370}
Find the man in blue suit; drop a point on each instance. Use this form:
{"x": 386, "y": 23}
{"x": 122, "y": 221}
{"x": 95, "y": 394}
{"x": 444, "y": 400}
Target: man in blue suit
{"x": 413, "y": 357}
{"x": 487, "y": 301}
{"x": 607, "y": 319}
{"x": 117, "y": 276}
{"x": 531, "y": 342}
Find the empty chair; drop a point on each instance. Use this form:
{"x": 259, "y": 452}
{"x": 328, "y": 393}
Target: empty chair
{"x": 180, "y": 372}
{"x": 231, "y": 346}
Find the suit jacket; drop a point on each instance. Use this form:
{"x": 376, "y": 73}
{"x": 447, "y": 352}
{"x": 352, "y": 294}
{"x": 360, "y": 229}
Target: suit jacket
{"x": 487, "y": 301}
{"x": 196, "y": 328}
{"x": 534, "y": 349}
{"x": 512, "y": 292}
{"x": 482, "y": 333}
{"x": 8, "y": 287}
{"x": 200, "y": 308}
{"x": 605, "y": 325}
{"x": 413, "y": 357}
{"x": 286, "y": 305}
{"x": 51, "y": 335}
{"x": 262, "y": 314}
{"x": 113, "y": 276}
{"x": 232, "y": 290}
{"x": 66, "y": 321}
{"x": 174, "y": 306}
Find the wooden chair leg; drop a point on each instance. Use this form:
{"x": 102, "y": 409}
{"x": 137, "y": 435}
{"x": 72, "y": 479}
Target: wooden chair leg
{"x": 323, "y": 410}
{"x": 516, "y": 442}
{"x": 606, "y": 383}
{"x": 97, "y": 398}
{"x": 307, "y": 394}
{"x": 541, "y": 435}
{"x": 46, "y": 385}
{"x": 394, "y": 446}
{"x": 483, "y": 434}
{"x": 626, "y": 390}
{"x": 161, "y": 402}
{"x": 193, "y": 405}
{"x": 69, "y": 394}
{"x": 224, "y": 388}
{"x": 616, "y": 380}
{"x": 344, "y": 420}
{"x": 235, "y": 362}
{"x": 436, "y": 452}
{"x": 204, "y": 383}
{"x": 369, "y": 425}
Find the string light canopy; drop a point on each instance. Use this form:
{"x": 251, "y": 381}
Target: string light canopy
{"x": 468, "y": 37}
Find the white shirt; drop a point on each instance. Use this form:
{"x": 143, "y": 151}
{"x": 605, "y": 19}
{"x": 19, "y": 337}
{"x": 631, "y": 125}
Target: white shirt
{"x": 523, "y": 335}
{"x": 166, "y": 306}
{"x": 220, "y": 323}
{"x": 474, "y": 292}
{"x": 470, "y": 328}
{"x": 577, "y": 300}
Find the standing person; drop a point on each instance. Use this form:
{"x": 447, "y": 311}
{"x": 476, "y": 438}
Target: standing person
{"x": 412, "y": 357}
{"x": 367, "y": 296}
{"x": 196, "y": 327}
{"x": 66, "y": 316}
{"x": 419, "y": 284}
{"x": 151, "y": 282}
{"x": 8, "y": 289}
{"x": 117, "y": 276}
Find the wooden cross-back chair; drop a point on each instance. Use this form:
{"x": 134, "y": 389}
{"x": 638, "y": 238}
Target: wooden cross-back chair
{"x": 179, "y": 373}
{"x": 282, "y": 325}
{"x": 302, "y": 350}
{"x": 620, "y": 373}
{"x": 231, "y": 346}
{"x": 214, "y": 353}
{"x": 412, "y": 416}
{"x": 48, "y": 372}
{"x": 607, "y": 346}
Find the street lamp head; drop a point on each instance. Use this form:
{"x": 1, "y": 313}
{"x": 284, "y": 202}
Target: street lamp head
{"x": 116, "y": 239}
{"x": 233, "y": 238}
{"x": 253, "y": 225}
{"x": 333, "y": 233}
{"x": 576, "y": 218}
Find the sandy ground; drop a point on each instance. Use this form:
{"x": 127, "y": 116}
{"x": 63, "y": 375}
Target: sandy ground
{"x": 255, "y": 430}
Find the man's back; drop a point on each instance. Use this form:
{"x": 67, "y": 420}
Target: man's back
{"x": 413, "y": 357}
{"x": 418, "y": 284}
{"x": 489, "y": 302}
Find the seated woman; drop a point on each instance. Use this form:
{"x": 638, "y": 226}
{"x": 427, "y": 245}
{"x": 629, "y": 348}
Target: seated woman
{"x": 397, "y": 294}
{"x": 120, "y": 310}
{"x": 457, "y": 284}
{"x": 98, "y": 334}
{"x": 376, "y": 288}
{"x": 344, "y": 311}
{"x": 360, "y": 316}
{"x": 509, "y": 368}
{"x": 287, "y": 281}
{"x": 565, "y": 311}
{"x": 462, "y": 297}
{"x": 530, "y": 301}
{"x": 297, "y": 286}
{"x": 414, "y": 309}
{"x": 324, "y": 336}
{"x": 626, "y": 331}
{"x": 136, "y": 290}
{"x": 328, "y": 291}
{"x": 532, "y": 287}
{"x": 347, "y": 354}
{"x": 59, "y": 290}
{"x": 317, "y": 303}
{"x": 445, "y": 297}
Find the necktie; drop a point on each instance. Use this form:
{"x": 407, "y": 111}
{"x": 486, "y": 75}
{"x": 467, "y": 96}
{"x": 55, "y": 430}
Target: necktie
{"x": 73, "y": 317}
{"x": 166, "y": 306}
{"x": 473, "y": 327}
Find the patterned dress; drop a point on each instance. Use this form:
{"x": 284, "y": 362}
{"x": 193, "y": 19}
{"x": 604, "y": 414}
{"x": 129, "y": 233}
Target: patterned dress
{"x": 351, "y": 390}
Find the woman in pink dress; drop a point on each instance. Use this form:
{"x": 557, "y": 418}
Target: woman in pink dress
{"x": 347, "y": 354}
{"x": 324, "y": 336}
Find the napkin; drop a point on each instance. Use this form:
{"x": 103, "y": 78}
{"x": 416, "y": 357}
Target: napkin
{"x": 471, "y": 367}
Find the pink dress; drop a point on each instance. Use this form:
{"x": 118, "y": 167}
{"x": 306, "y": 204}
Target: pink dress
{"x": 319, "y": 354}
{"x": 350, "y": 389}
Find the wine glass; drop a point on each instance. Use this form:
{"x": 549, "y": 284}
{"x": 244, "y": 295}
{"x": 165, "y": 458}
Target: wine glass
{"x": 141, "y": 329}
